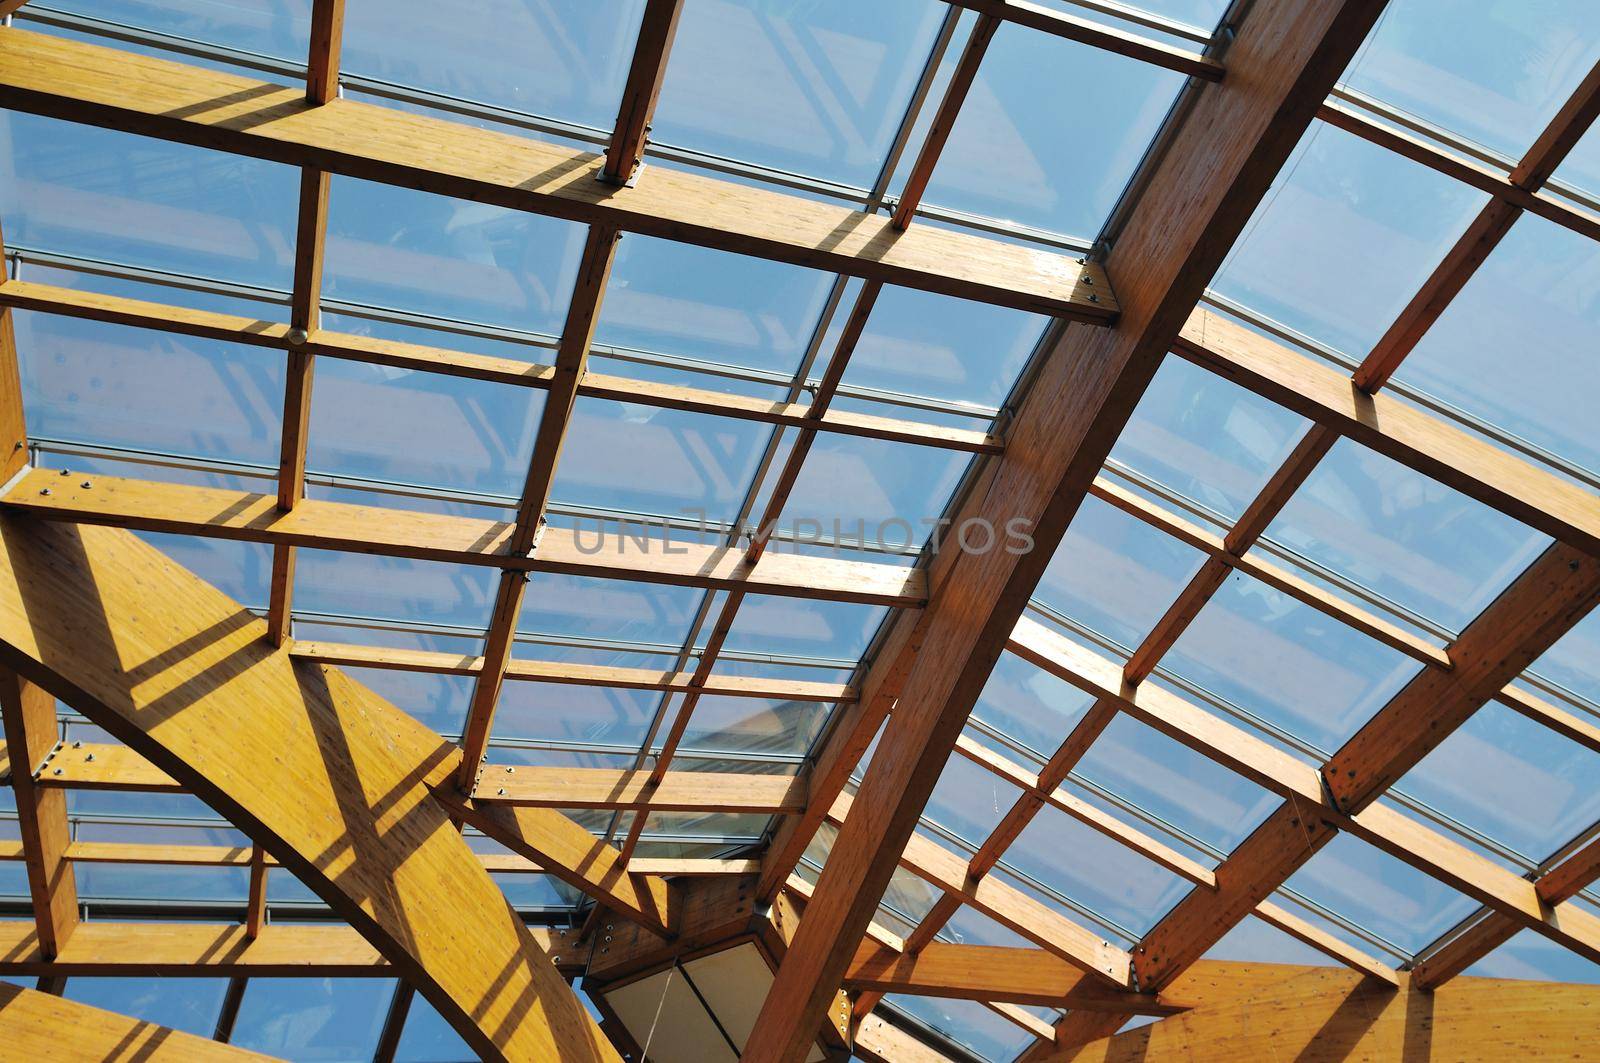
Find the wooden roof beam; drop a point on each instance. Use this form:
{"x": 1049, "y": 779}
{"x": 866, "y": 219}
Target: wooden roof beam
{"x": 216, "y": 513}
{"x": 231, "y": 328}
{"x": 67, "y": 79}
{"x": 657, "y": 27}
{"x": 1060, "y": 24}
{"x": 1284, "y": 59}
{"x": 328, "y": 777}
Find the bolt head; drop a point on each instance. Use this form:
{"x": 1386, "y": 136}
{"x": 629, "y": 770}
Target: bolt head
{"x": 297, "y": 337}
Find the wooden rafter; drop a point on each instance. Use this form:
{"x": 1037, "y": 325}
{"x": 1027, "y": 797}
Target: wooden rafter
{"x": 173, "y": 101}
{"x": 1240, "y": 131}
{"x": 325, "y": 775}
{"x": 43, "y": 1026}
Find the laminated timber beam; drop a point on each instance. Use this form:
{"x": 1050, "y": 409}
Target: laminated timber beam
{"x": 145, "y": 505}
{"x": 1284, "y": 59}
{"x": 79, "y": 82}
{"x": 102, "y": 766}
{"x": 330, "y": 779}
{"x": 350, "y": 347}
{"x": 572, "y": 673}
{"x": 36, "y": 1025}
{"x": 1278, "y": 1011}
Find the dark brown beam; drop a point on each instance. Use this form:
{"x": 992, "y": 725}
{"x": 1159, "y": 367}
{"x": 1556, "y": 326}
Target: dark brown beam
{"x": 625, "y": 153}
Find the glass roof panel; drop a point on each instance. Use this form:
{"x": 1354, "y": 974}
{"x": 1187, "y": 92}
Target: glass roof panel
{"x": 967, "y": 1023}
{"x": 969, "y": 799}
{"x": 1105, "y": 876}
{"x": 710, "y": 306}
{"x": 1256, "y": 941}
{"x": 1573, "y": 662}
{"x": 610, "y": 611}
{"x": 754, "y": 725}
{"x": 562, "y": 59}
{"x": 394, "y": 588}
{"x": 1169, "y": 780}
{"x": 1495, "y": 73}
{"x": 1054, "y": 151}
{"x": 919, "y": 343}
{"x": 1030, "y": 705}
{"x": 1348, "y": 233}
{"x": 803, "y": 627}
{"x": 1116, "y": 574}
{"x": 1295, "y": 668}
{"x": 427, "y": 1038}
{"x": 438, "y": 701}
{"x": 454, "y": 258}
{"x": 1531, "y": 955}
{"x": 190, "y": 1005}
{"x": 1404, "y": 536}
{"x": 1534, "y": 297}
{"x": 312, "y": 1019}
{"x": 1380, "y": 894}
{"x": 1520, "y": 783}
{"x": 80, "y": 190}
{"x": 817, "y": 88}
{"x": 1206, "y": 438}
{"x": 266, "y": 27}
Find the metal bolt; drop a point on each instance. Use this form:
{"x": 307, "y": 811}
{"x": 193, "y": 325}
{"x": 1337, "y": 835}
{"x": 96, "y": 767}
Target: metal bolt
{"x": 44, "y": 490}
{"x": 502, "y": 791}
{"x": 1088, "y": 280}
{"x": 510, "y": 770}
{"x": 57, "y": 771}
{"x": 1094, "y": 298}
{"x": 86, "y": 483}
{"x": 555, "y": 959}
{"x": 66, "y": 472}
{"x": 297, "y": 337}
{"x": 78, "y": 744}
{"x": 88, "y": 758}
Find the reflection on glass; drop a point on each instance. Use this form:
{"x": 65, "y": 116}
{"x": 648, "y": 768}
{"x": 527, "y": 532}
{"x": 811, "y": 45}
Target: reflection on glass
{"x": 816, "y": 88}
{"x": 313, "y": 1019}
{"x": 267, "y": 27}
{"x": 1494, "y": 73}
{"x": 1534, "y": 298}
{"x": 189, "y": 1005}
{"x": 1349, "y": 232}
{"x": 1030, "y": 705}
{"x": 1050, "y": 132}
{"x": 1411, "y": 539}
{"x": 1206, "y": 438}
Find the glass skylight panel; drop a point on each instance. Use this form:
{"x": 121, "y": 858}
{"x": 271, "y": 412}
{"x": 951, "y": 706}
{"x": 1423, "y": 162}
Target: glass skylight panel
{"x": 427, "y": 1038}
{"x": 816, "y": 89}
{"x": 190, "y": 1005}
{"x": 1206, "y": 438}
{"x": 1105, "y": 876}
{"x": 1582, "y": 167}
{"x": 710, "y": 306}
{"x": 1030, "y": 705}
{"x": 1050, "y": 132}
{"x": 969, "y": 800}
{"x": 1115, "y": 574}
{"x": 89, "y": 382}
{"x": 774, "y": 624}
{"x": 1293, "y": 667}
{"x": 434, "y": 700}
{"x": 1141, "y": 765}
{"x": 1531, "y": 955}
{"x": 1257, "y": 941}
{"x": 312, "y": 1018}
{"x": 1494, "y": 73}
{"x": 394, "y": 588}
{"x": 919, "y": 343}
{"x": 1378, "y": 893}
{"x": 639, "y": 459}
{"x": 895, "y": 491}
{"x": 610, "y": 615}
{"x": 1519, "y": 783}
{"x": 80, "y": 190}
{"x": 561, "y": 59}
{"x": 1397, "y": 533}
{"x": 1346, "y": 236}
{"x": 403, "y": 249}
{"x": 754, "y": 725}
{"x": 1532, "y": 300}
{"x": 1573, "y": 663}
{"x": 276, "y": 28}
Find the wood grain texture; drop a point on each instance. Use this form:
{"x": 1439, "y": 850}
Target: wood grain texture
{"x": 149, "y": 506}
{"x": 155, "y": 97}
{"x": 37, "y": 1025}
{"x": 31, "y": 735}
{"x": 328, "y": 777}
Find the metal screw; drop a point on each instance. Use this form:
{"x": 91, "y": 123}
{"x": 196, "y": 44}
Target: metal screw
{"x": 86, "y": 483}
{"x": 88, "y": 758}
{"x": 1094, "y": 298}
{"x": 1088, "y": 281}
{"x": 58, "y": 771}
{"x": 66, "y": 472}
{"x": 510, "y": 770}
{"x": 502, "y": 791}
{"x": 44, "y": 490}
{"x": 297, "y": 337}
{"x": 78, "y": 744}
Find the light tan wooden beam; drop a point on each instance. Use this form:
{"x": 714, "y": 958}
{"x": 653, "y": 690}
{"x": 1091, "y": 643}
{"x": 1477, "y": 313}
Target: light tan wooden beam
{"x": 989, "y": 972}
{"x": 31, "y": 736}
{"x": 328, "y": 777}
{"x": 1058, "y": 23}
{"x": 1299, "y": 1013}
{"x": 1394, "y": 428}
{"x": 42, "y": 1026}
{"x": 173, "y": 101}
{"x": 71, "y": 302}
{"x": 149, "y": 506}
{"x": 1285, "y": 57}
{"x": 322, "y": 64}
{"x": 575, "y": 674}
{"x": 657, "y": 27}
